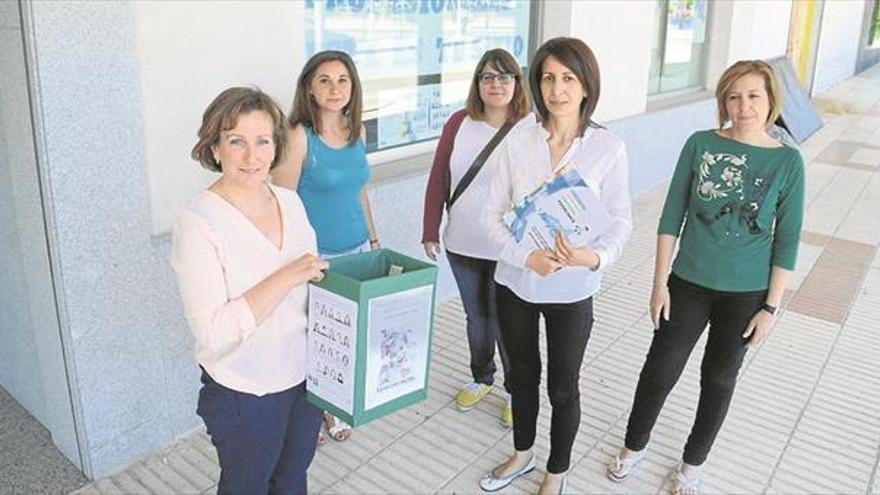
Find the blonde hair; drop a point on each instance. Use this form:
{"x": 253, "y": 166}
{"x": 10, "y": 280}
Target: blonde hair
{"x": 743, "y": 68}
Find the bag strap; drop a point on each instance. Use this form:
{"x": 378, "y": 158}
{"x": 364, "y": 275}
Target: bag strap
{"x": 477, "y": 165}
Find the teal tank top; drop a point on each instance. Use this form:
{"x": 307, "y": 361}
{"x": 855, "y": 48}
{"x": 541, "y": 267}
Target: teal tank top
{"x": 330, "y": 188}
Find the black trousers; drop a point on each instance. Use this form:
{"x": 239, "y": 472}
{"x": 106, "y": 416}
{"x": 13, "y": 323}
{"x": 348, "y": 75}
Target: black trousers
{"x": 568, "y": 329}
{"x": 692, "y": 307}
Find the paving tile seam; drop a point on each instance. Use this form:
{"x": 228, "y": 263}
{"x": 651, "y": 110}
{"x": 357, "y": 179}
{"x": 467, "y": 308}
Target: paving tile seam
{"x": 382, "y": 449}
{"x": 794, "y": 427}
{"x": 825, "y": 363}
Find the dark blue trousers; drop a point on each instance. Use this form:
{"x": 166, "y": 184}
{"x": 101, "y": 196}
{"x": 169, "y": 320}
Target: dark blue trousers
{"x": 475, "y": 279}
{"x": 264, "y": 444}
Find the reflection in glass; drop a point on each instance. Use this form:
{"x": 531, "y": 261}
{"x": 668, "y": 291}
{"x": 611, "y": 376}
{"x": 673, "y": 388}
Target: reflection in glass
{"x": 415, "y": 57}
{"x": 679, "y": 45}
{"x": 874, "y": 38}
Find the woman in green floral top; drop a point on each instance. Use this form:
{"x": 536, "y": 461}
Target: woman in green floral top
{"x": 736, "y": 203}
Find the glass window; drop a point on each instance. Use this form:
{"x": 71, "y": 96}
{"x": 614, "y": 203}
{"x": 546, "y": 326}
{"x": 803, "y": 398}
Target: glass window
{"x": 874, "y": 38}
{"x": 678, "y": 52}
{"x": 415, "y": 57}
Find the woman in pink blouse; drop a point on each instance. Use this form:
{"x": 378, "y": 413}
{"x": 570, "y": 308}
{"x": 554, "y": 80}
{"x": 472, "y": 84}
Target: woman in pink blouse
{"x": 243, "y": 251}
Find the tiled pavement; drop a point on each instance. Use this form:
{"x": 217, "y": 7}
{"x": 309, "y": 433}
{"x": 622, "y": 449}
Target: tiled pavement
{"x": 805, "y": 418}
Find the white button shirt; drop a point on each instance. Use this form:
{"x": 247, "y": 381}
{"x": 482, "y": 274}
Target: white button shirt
{"x": 523, "y": 163}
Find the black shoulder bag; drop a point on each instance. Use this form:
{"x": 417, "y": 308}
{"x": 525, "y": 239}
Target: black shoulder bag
{"x": 478, "y": 163}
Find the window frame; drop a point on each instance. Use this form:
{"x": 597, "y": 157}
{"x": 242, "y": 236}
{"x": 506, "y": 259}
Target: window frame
{"x": 686, "y": 92}
{"x": 874, "y": 27}
{"x": 404, "y": 156}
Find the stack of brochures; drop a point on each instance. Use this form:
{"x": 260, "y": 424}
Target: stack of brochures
{"x": 563, "y": 203}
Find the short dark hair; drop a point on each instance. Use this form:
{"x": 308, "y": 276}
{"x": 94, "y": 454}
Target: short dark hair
{"x": 502, "y": 61}
{"x": 222, "y": 115}
{"x": 305, "y": 109}
{"x": 579, "y": 59}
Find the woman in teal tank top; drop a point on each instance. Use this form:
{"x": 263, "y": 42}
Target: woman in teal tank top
{"x": 331, "y": 185}
{"x": 326, "y": 160}
{"x": 327, "y": 165}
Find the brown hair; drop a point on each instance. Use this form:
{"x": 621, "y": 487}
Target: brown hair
{"x": 743, "y": 68}
{"x": 222, "y": 115}
{"x": 503, "y": 62}
{"x": 305, "y": 110}
{"x": 579, "y": 59}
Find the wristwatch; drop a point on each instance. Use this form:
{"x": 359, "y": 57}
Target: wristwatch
{"x": 768, "y": 308}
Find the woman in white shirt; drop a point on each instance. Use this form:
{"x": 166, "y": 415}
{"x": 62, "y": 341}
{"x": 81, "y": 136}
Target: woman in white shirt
{"x": 243, "y": 251}
{"x": 496, "y": 105}
{"x": 557, "y": 283}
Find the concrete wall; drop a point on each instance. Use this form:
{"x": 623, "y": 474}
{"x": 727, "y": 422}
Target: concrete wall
{"x": 623, "y": 64}
{"x": 32, "y": 366}
{"x": 760, "y": 29}
{"x": 838, "y": 42}
{"x": 135, "y": 376}
{"x": 16, "y": 358}
{"x": 187, "y": 55}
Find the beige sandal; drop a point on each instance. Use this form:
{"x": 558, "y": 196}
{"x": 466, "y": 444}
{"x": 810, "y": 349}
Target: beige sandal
{"x": 684, "y": 485}
{"x": 619, "y": 469}
{"x": 339, "y": 430}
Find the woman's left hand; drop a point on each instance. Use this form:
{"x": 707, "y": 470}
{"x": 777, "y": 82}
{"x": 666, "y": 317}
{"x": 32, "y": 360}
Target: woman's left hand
{"x": 758, "y": 328}
{"x": 374, "y": 245}
{"x": 569, "y": 255}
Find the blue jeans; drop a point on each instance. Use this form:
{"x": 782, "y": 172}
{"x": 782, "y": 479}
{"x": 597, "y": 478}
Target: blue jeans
{"x": 476, "y": 285}
{"x": 264, "y": 444}
{"x": 363, "y": 248}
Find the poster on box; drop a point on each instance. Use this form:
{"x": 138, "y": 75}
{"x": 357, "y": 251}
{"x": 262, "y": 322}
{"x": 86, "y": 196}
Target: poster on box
{"x": 397, "y": 345}
{"x": 332, "y": 347}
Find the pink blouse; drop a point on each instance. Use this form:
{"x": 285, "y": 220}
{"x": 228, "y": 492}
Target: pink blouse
{"x": 218, "y": 255}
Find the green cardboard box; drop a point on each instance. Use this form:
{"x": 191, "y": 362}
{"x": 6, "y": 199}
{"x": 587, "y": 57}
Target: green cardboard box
{"x": 370, "y": 335}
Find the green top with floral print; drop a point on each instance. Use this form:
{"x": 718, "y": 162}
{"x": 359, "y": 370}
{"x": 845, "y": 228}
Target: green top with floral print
{"x": 742, "y": 207}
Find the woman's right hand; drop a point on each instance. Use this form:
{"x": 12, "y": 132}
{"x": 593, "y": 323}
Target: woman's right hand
{"x": 431, "y": 249}
{"x": 659, "y": 304}
{"x": 307, "y": 267}
{"x": 543, "y": 262}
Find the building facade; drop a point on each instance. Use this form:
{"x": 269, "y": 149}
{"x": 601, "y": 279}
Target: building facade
{"x": 101, "y": 101}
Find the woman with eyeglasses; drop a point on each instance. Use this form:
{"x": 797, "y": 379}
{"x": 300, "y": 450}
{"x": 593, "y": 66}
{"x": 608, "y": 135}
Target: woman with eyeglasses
{"x": 327, "y": 165}
{"x": 496, "y": 104}
{"x": 557, "y": 283}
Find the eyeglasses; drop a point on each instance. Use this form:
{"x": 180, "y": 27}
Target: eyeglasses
{"x": 490, "y": 77}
